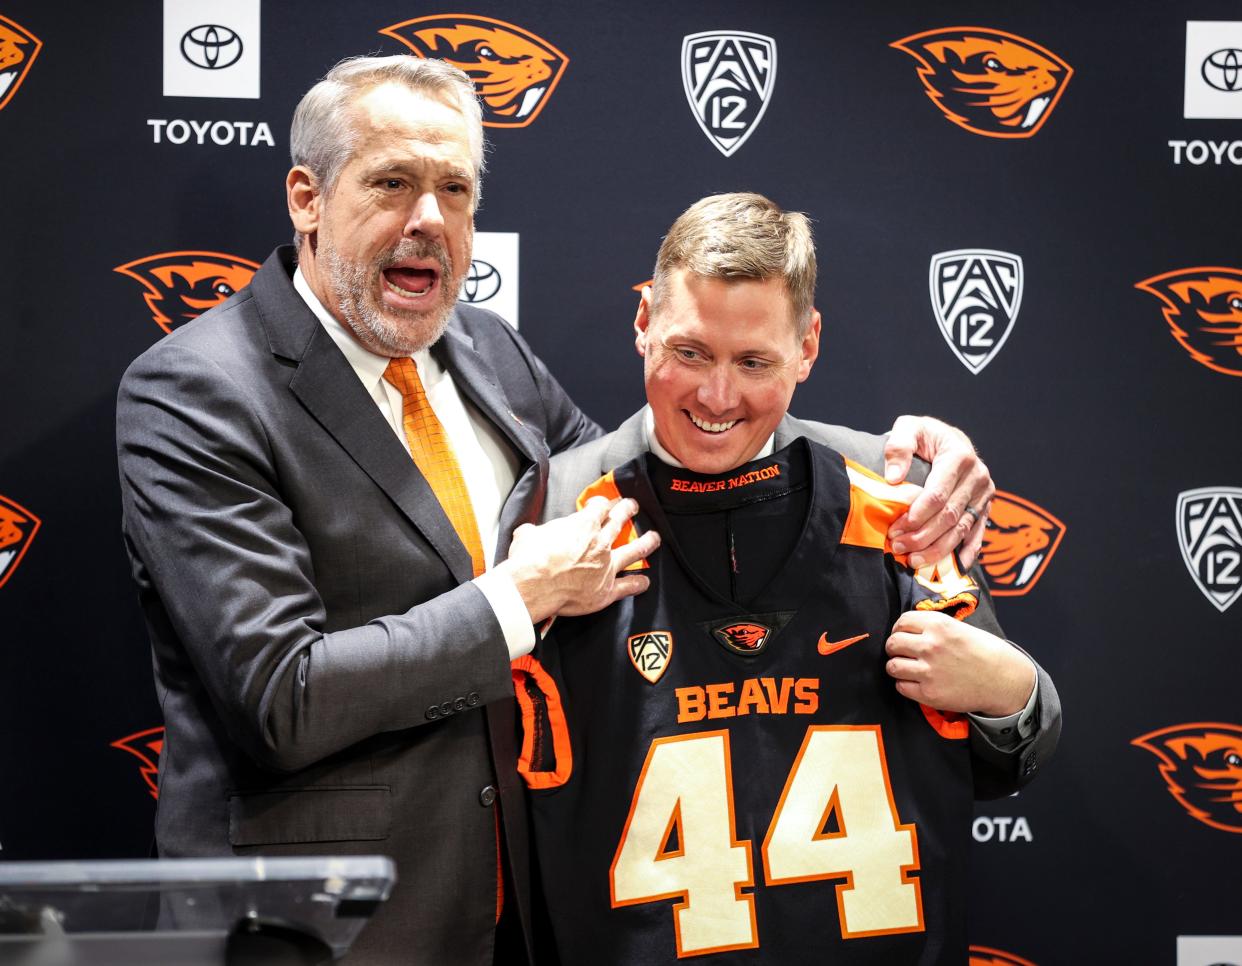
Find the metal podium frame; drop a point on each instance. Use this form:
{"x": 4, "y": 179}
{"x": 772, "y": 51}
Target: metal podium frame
{"x": 188, "y": 912}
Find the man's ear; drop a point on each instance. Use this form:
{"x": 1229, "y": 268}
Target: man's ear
{"x": 810, "y": 347}
{"x": 642, "y": 321}
{"x": 304, "y": 199}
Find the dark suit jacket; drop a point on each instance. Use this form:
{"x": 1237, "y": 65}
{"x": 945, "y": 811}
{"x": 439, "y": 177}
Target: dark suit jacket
{"x": 997, "y": 772}
{"x": 327, "y": 671}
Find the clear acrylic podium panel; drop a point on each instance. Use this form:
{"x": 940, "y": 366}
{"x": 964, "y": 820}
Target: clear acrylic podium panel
{"x": 180, "y": 911}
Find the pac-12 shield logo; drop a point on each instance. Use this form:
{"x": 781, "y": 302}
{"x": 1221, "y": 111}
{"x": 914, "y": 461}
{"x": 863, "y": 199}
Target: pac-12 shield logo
{"x": 18, "y": 50}
{"x": 1203, "y": 307}
{"x": 976, "y": 294}
{"x": 987, "y": 956}
{"x": 1209, "y": 532}
{"x": 728, "y": 76}
{"x": 514, "y": 71}
{"x": 17, "y": 528}
{"x": 987, "y": 81}
{"x": 146, "y": 747}
{"x": 183, "y": 285}
{"x": 1202, "y": 764}
{"x": 650, "y": 653}
{"x": 1018, "y": 541}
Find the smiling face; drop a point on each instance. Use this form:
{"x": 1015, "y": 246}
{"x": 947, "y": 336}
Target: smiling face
{"x": 387, "y": 247}
{"x": 721, "y": 359}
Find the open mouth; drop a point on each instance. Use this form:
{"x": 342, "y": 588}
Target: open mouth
{"x": 410, "y": 281}
{"x": 711, "y": 427}
{"x": 1036, "y": 110}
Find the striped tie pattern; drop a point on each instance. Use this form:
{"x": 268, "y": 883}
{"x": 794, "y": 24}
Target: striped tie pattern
{"x": 433, "y": 455}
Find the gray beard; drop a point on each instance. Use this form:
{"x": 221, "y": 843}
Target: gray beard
{"x": 351, "y": 284}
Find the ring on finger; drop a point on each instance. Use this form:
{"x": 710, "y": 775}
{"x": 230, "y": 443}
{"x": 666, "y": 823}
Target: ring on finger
{"x": 975, "y": 514}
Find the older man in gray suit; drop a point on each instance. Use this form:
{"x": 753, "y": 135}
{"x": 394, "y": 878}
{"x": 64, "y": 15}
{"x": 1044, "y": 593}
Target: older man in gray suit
{"x": 726, "y": 331}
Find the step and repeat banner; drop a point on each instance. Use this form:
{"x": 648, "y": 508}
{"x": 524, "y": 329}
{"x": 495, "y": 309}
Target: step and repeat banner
{"x": 1027, "y": 221}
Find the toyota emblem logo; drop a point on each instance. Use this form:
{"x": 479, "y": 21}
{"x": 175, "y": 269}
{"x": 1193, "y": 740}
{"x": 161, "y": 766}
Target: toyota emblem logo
{"x": 211, "y": 46}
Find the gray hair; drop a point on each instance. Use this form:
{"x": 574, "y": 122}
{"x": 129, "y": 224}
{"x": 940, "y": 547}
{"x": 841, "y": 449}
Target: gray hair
{"x": 741, "y": 235}
{"x": 323, "y": 136}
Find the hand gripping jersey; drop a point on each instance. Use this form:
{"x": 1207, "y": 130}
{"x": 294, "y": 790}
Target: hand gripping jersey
{"x": 720, "y": 767}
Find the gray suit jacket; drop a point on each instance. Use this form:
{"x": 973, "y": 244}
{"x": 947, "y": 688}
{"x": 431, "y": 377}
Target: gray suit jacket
{"x": 327, "y": 671}
{"x": 997, "y": 772}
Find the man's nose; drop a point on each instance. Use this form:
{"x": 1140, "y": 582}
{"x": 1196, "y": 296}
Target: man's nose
{"x": 718, "y": 392}
{"x": 426, "y": 218}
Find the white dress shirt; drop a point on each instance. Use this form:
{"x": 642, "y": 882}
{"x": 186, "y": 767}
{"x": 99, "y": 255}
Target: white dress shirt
{"x": 488, "y": 465}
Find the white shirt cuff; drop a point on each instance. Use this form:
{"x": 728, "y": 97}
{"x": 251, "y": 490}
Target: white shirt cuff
{"x": 510, "y": 611}
{"x": 1012, "y": 728}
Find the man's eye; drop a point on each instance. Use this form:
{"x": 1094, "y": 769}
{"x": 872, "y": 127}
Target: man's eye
{"x": 754, "y": 365}
{"x": 455, "y": 188}
{"x": 688, "y": 355}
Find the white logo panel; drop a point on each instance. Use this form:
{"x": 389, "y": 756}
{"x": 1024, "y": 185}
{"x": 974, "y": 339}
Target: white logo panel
{"x": 1209, "y": 533}
{"x": 1213, "y": 69}
{"x": 211, "y": 48}
{"x": 728, "y": 76}
{"x": 975, "y": 295}
{"x": 492, "y": 281}
{"x": 1208, "y": 950}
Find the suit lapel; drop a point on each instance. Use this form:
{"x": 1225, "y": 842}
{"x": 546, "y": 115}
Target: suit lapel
{"x": 325, "y": 383}
{"x": 477, "y": 382}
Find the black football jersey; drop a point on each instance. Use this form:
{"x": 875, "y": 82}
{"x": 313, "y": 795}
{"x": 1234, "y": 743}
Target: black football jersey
{"x": 720, "y": 769}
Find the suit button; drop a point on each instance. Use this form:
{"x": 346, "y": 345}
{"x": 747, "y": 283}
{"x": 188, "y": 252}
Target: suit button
{"x": 446, "y": 709}
{"x": 487, "y": 796}
{"x": 433, "y": 712}
{"x": 472, "y": 698}
{"x": 459, "y": 704}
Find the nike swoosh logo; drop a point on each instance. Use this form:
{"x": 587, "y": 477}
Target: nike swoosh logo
{"x": 828, "y": 647}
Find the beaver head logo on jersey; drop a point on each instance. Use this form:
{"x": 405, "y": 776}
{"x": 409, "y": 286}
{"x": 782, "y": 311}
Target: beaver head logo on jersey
{"x": 989, "y": 82}
{"x": 514, "y": 71}
{"x": 1203, "y": 307}
{"x": 18, "y": 50}
{"x": 183, "y": 285}
{"x": 987, "y": 956}
{"x": 1019, "y": 540}
{"x": 17, "y": 528}
{"x": 1202, "y": 764}
{"x": 146, "y": 747}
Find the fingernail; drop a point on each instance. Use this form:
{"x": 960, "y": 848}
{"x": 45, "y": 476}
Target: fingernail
{"x": 896, "y": 533}
{"x": 917, "y": 560}
{"x": 892, "y": 472}
{"x": 900, "y": 546}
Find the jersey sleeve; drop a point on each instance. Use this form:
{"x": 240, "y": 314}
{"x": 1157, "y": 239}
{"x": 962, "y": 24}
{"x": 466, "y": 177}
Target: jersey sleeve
{"x": 546, "y": 758}
{"x": 874, "y": 505}
{"x": 606, "y": 486}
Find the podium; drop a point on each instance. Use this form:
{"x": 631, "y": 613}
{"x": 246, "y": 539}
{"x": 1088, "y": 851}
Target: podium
{"x": 188, "y": 912}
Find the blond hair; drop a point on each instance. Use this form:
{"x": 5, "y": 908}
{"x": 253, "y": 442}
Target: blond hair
{"x": 741, "y": 235}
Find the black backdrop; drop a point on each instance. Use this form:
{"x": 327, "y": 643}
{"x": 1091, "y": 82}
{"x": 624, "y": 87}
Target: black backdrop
{"x": 1091, "y": 413}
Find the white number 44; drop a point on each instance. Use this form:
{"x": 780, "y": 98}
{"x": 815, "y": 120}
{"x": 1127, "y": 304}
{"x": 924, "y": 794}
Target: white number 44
{"x": 679, "y": 839}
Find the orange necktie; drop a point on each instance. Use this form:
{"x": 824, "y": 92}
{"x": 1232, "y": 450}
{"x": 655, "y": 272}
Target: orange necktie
{"x": 434, "y": 456}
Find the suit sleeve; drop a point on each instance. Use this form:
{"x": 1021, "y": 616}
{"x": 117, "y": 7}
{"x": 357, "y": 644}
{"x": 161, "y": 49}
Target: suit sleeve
{"x": 224, "y": 570}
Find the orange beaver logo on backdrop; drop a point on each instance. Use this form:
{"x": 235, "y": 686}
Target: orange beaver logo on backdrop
{"x": 183, "y": 285}
{"x": 514, "y": 71}
{"x": 17, "y": 528}
{"x": 989, "y": 82}
{"x": 146, "y": 747}
{"x": 1203, "y": 307}
{"x": 1202, "y": 764}
{"x": 18, "y": 50}
{"x": 1018, "y": 541}
{"x": 987, "y": 956}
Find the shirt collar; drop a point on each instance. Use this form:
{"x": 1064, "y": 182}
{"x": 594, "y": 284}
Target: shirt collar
{"x": 665, "y": 456}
